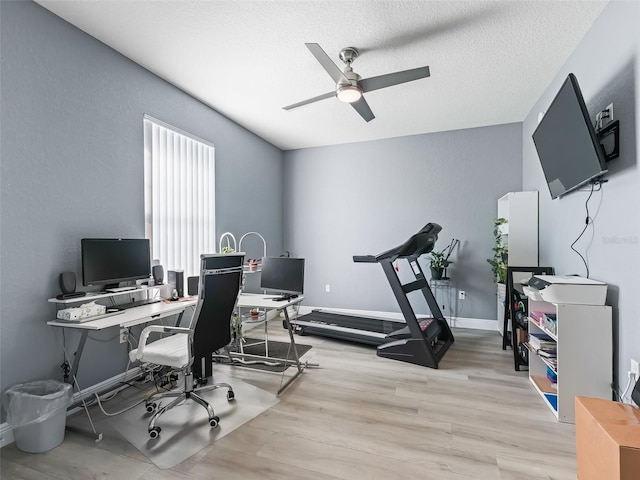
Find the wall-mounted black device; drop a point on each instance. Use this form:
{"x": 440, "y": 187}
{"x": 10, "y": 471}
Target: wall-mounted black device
{"x": 609, "y": 138}
{"x": 568, "y": 147}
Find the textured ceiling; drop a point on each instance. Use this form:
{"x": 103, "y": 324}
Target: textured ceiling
{"x": 489, "y": 60}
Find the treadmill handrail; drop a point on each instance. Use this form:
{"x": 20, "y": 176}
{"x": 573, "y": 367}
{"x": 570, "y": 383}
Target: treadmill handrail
{"x": 365, "y": 259}
{"x": 418, "y": 244}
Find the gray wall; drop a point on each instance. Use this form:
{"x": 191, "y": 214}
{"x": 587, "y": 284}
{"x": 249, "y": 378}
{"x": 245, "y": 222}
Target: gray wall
{"x": 365, "y": 198}
{"x": 72, "y": 167}
{"x": 605, "y": 64}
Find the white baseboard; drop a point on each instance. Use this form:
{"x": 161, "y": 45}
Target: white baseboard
{"x": 454, "y": 322}
{"x": 6, "y": 430}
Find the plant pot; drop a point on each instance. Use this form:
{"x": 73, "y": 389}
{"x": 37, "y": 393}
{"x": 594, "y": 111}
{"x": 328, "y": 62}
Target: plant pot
{"x": 436, "y": 273}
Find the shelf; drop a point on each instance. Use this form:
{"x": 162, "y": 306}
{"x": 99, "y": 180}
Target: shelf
{"x": 581, "y": 371}
{"x": 544, "y": 330}
{"x": 90, "y": 296}
{"x": 248, "y": 318}
{"x": 547, "y": 391}
{"x": 246, "y": 269}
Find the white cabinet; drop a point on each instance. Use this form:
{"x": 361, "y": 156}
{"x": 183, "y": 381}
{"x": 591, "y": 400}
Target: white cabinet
{"x": 520, "y": 235}
{"x": 584, "y": 354}
{"x": 521, "y": 230}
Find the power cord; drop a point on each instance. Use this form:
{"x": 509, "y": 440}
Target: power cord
{"x": 588, "y": 221}
{"x": 631, "y": 379}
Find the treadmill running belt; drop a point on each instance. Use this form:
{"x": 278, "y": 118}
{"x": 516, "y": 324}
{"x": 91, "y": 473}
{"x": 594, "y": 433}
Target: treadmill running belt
{"x": 378, "y": 325}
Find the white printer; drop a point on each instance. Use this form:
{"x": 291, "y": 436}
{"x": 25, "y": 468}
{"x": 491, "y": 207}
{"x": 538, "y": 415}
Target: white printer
{"x": 566, "y": 289}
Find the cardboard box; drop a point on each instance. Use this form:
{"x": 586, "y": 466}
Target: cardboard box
{"x": 607, "y": 440}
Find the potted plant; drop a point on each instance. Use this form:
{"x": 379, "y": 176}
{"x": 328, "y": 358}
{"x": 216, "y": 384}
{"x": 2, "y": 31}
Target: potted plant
{"x": 500, "y": 252}
{"x": 439, "y": 261}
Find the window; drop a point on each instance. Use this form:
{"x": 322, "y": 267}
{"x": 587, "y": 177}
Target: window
{"x": 179, "y": 196}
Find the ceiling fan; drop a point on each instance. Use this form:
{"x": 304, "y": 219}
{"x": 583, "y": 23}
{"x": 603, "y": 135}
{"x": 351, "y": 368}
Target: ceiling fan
{"x": 350, "y": 87}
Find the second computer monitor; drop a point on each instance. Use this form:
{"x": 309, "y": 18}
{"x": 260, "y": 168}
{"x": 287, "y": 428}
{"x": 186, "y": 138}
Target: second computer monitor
{"x": 283, "y": 275}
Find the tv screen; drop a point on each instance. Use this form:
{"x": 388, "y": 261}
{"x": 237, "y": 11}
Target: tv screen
{"x": 567, "y": 144}
{"x": 108, "y": 261}
{"x": 282, "y": 275}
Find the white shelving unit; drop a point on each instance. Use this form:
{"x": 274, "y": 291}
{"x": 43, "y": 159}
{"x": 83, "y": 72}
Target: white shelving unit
{"x": 520, "y": 234}
{"x": 584, "y": 355}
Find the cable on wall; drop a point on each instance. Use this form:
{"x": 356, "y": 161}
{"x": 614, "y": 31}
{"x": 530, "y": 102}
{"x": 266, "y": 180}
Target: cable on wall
{"x": 588, "y": 221}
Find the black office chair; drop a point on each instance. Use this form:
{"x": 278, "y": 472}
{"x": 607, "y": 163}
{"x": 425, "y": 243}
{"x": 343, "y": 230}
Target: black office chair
{"x": 189, "y": 347}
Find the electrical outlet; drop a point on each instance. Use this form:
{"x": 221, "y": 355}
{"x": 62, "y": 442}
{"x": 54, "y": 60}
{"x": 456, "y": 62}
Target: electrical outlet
{"x": 610, "y": 109}
{"x": 605, "y": 116}
{"x": 124, "y": 335}
{"x": 635, "y": 368}
{"x": 327, "y": 288}
{"x": 462, "y": 295}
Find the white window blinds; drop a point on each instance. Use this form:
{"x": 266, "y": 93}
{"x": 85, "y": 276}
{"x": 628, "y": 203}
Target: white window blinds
{"x": 179, "y": 177}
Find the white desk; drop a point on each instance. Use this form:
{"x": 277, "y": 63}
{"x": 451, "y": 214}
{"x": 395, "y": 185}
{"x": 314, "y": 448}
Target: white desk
{"x": 128, "y": 318}
{"x": 260, "y": 300}
{"x": 156, "y": 311}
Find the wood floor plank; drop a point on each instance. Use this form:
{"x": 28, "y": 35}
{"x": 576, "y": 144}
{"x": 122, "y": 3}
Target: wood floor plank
{"x": 233, "y": 465}
{"x": 356, "y": 416}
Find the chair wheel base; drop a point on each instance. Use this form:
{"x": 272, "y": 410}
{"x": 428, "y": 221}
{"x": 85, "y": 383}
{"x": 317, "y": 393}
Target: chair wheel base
{"x": 231, "y": 396}
{"x": 214, "y": 421}
{"x": 154, "y": 432}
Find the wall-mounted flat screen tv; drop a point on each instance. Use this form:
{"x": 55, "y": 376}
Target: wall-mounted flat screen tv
{"x": 567, "y": 144}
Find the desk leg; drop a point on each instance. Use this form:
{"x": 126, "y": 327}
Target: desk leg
{"x": 74, "y": 379}
{"x": 295, "y": 353}
{"x": 78, "y": 354}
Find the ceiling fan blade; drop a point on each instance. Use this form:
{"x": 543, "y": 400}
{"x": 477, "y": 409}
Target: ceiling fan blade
{"x": 310, "y": 100}
{"x": 390, "y": 79}
{"x": 332, "y": 69}
{"x": 362, "y": 107}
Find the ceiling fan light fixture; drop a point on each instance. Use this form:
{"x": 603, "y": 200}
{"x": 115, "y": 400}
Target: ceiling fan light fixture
{"x": 349, "y": 93}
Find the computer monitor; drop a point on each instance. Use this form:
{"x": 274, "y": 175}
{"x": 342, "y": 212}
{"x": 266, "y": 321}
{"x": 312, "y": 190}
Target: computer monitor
{"x": 109, "y": 261}
{"x": 283, "y": 275}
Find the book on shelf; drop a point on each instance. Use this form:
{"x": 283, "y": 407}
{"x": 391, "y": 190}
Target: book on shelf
{"x": 542, "y": 341}
{"x": 547, "y": 354}
{"x": 535, "y": 315}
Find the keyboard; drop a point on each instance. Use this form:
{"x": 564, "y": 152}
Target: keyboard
{"x": 137, "y": 303}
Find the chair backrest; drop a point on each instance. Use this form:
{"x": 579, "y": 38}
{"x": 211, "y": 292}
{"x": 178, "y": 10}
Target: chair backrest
{"x": 220, "y": 280}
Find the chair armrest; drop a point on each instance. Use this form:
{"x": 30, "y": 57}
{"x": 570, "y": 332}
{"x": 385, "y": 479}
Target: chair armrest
{"x": 159, "y": 329}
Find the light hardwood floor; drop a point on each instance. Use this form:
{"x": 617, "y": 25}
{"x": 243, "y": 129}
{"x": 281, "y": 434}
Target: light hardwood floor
{"x": 357, "y": 416}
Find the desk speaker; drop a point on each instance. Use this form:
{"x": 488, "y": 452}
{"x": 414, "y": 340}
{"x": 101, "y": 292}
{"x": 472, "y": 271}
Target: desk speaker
{"x": 158, "y": 274}
{"x": 192, "y": 285}
{"x": 67, "y": 282}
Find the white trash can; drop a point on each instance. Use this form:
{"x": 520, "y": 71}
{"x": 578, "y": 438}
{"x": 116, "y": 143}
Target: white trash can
{"x": 37, "y": 411}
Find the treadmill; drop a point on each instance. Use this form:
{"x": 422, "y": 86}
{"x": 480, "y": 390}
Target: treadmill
{"x": 422, "y": 341}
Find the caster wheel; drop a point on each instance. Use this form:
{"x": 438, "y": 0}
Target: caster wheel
{"x": 230, "y": 395}
{"x": 213, "y": 422}
{"x": 154, "y": 432}
{"x": 151, "y": 407}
